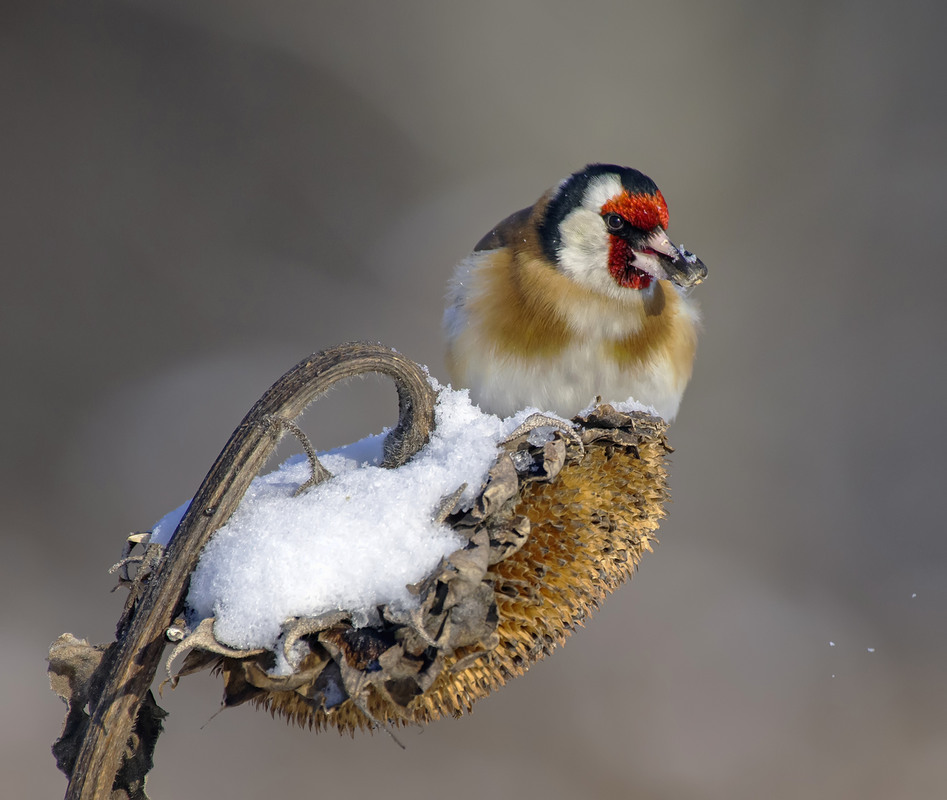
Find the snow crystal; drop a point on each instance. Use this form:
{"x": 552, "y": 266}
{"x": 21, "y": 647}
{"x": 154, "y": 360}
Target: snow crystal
{"x": 164, "y": 528}
{"x": 352, "y": 543}
{"x": 688, "y": 256}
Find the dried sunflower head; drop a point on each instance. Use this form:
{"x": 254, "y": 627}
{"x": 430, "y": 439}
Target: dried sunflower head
{"x": 561, "y": 519}
{"x": 557, "y": 525}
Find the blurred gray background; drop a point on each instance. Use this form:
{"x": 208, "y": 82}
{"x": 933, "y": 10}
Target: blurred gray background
{"x": 196, "y": 195}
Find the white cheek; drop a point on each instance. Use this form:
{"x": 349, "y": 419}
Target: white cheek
{"x": 584, "y": 242}
{"x": 583, "y": 252}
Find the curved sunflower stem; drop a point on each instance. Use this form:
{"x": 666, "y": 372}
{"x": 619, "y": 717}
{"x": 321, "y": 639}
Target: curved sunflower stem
{"x": 101, "y": 748}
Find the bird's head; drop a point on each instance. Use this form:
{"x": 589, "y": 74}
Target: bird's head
{"x": 606, "y": 228}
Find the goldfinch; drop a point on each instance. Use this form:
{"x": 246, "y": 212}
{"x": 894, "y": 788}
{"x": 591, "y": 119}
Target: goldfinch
{"x": 580, "y": 295}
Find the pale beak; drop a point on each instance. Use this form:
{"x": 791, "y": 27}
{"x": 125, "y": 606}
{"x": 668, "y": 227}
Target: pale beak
{"x": 672, "y": 263}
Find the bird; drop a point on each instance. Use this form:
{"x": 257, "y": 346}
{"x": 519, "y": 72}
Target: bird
{"x": 580, "y": 296}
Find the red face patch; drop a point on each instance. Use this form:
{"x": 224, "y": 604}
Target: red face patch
{"x": 621, "y": 260}
{"x": 644, "y": 211}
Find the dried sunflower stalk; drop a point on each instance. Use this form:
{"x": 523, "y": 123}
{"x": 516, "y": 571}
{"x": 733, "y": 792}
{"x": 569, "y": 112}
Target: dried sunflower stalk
{"x": 561, "y": 520}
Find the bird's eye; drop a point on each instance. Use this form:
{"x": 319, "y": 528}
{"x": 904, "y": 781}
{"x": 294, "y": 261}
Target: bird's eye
{"x": 615, "y": 223}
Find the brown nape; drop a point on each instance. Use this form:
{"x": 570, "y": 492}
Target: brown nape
{"x": 589, "y": 529}
{"x": 504, "y": 233}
